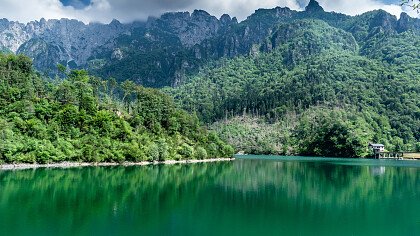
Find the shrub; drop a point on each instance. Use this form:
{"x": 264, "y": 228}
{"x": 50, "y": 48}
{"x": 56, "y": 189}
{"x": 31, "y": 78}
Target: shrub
{"x": 132, "y": 152}
{"x": 213, "y": 150}
{"x": 163, "y": 149}
{"x": 186, "y": 151}
{"x": 200, "y": 153}
{"x": 228, "y": 151}
{"x": 152, "y": 153}
{"x": 177, "y": 157}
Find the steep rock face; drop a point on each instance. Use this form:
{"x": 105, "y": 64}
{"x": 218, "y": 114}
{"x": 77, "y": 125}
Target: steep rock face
{"x": 242, "y": 38}
{"x": 164, "y": 49}
{"x": 226, "y": 21}
{"x": 191, "y": 29}
{"x": 314, "y": 6}
{"x": 45, "y": 55}
{"x": 75, "y": 39}
{"x": 406, "y": 23}
{"x": 71, "y": 41}
{"x": 384, "y": 20}
{"x": 369, "y": 24}
{"x": 13, "y": 34}
{"x": 303, "y": 38}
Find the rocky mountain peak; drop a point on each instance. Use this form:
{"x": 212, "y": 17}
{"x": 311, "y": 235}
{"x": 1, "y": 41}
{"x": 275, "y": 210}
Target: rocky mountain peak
{"x": 404, "y": 16}
{"x": 115, "y": 22}
{"x": 407, "y": 23}
{"x": 191, "y": 29}
{"x": 177, "y": 38}
{"x": 175, "y": 16}
{"x": 314, "y": 6}
{"x": 200, "y": 13}
{"x": 226, "y": 20}
{"x": 384, "y": 20}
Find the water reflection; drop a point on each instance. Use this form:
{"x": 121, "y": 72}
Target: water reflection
{"x": 377, "y": 170}
{"x": 247, "y": 197}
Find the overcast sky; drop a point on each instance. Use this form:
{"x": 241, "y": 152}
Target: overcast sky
{"x": 129, "y": 10}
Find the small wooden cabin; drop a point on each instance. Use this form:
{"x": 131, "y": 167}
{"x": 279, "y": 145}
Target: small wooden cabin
{"x": 377, "y": 148}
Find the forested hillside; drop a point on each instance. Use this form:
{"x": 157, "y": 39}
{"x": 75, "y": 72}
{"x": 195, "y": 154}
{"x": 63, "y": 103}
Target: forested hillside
{"x": 313, "y": 89}
{"x": 82, "y": 118}
{"x": 279, "y": 82}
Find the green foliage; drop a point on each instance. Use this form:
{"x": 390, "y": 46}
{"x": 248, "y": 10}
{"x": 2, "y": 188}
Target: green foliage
{"x": 152, "y": 152}
{"x": 299, "y": 39}
{"x": 152, "y": 63}
{"x": 333, "y": 133}
{"x": 81, "y": 118}
{"x": 313, "y": 90}
{"x": 228, "y": 150}
{"x": 252, "y": 135}
{"x": 186, "y": 151}
{"x": 200, "y": 153}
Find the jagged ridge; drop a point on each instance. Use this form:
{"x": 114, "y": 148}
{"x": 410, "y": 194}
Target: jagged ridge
{"x": 163, "y": 50}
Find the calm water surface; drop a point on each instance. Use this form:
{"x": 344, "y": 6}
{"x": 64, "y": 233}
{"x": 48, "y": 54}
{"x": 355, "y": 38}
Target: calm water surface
{"x": 269, "y": 196}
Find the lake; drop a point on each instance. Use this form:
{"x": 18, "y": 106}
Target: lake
{"x": 253, "y": 195}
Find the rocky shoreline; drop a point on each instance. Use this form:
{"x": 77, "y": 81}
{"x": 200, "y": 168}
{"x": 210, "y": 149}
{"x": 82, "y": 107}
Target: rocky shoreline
{"x": 64, "y": 165}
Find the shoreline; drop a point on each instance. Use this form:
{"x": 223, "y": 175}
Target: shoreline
{"x": 66, "y": 165}
{"x": 415, "y": 158}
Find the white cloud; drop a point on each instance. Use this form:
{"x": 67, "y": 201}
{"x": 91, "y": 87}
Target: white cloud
{"x": 128, "y": 10}
{"x": 244, "y": 8}
{"x": 25, "y": 11}
{"x": 29, "y": 10}
{"x": 355, "y": 7}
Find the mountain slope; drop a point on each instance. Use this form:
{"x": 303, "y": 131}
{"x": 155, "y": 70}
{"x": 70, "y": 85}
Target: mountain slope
{"x": 236, "y": 39}
{"x": 280, "y": 82}
{"x": 164, "y": 51}
{"x": 314, "y": 88}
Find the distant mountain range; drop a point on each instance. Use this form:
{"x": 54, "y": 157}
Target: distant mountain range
{"x": 162, "y": 51}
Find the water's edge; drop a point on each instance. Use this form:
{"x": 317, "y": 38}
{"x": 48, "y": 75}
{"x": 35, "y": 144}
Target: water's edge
{"x": 64, "y": 165}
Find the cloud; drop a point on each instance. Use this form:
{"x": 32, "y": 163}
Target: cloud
{"x": 244, "y": 8}
{"x": 29, "y": 10}
{"x": 355, "y": 7}
{"x": 78, "y": 4}
{"x": 129, "y": 10}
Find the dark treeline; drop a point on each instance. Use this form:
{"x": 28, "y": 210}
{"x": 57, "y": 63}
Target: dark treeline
{"x": 84, "y": 118}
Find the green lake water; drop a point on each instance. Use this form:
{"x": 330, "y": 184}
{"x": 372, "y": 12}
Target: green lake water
{"x": 268, "y": 196}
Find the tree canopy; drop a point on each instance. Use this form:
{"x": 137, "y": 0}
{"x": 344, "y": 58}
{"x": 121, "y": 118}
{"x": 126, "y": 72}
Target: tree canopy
{"x": 82, "y": 118}
{"x": 325, "y": 92}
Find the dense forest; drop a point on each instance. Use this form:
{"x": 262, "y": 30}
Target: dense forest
{"x": 84, "y": 118}
{"x": 280, "y": 82}
{"x": 313, "y": 89}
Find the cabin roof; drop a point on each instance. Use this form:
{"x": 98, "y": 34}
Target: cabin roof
{"x": 376, "y": 145}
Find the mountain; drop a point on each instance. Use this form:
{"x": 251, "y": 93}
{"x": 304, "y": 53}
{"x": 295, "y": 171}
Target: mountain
{"x": 101, "y": 46}
{"x": 69, "y": 42}
{"x": 164, "y": 51}
{"x": 280, "y": 82}
{"x": 319, "y": 83}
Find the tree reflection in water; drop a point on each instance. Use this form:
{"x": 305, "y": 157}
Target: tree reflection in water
{"x": 245, "y": 196}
